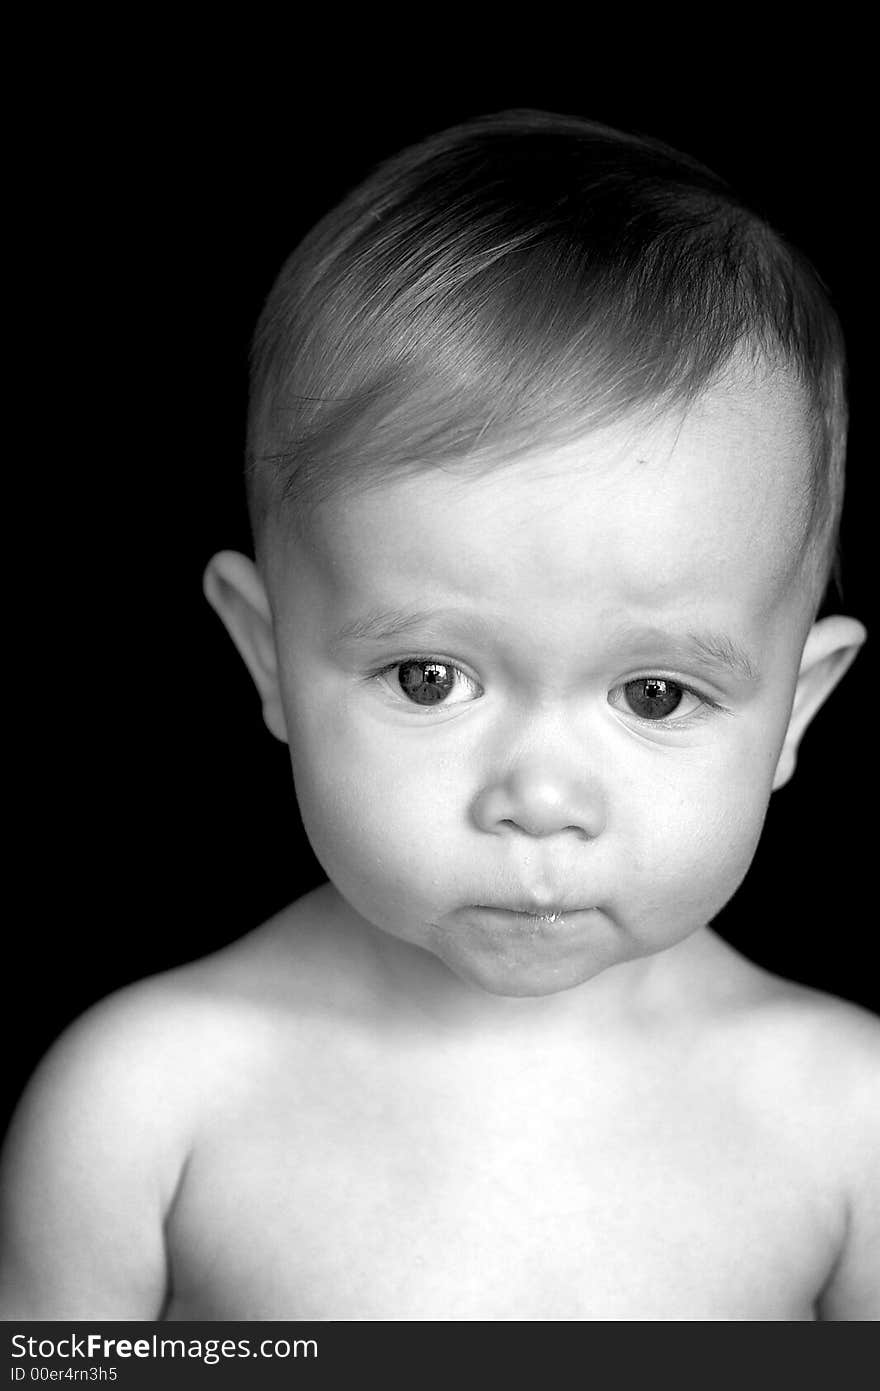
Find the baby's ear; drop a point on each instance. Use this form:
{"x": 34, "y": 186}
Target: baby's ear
{"x": 831, "y": 645}
{"x": 234, "y": 588}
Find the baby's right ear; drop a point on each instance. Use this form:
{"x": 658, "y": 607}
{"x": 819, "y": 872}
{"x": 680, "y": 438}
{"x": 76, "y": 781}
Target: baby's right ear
{"x": 233, "y": 587}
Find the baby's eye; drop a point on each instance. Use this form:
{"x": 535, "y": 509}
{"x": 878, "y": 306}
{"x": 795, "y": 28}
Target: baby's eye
{"x": 656, "y": 698}
{"x": 426, "y": 681}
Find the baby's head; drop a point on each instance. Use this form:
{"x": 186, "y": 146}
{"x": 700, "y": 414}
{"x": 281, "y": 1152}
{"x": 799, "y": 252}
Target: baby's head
{"x": 545, "y": 469}
{"x": 510, "y": 285}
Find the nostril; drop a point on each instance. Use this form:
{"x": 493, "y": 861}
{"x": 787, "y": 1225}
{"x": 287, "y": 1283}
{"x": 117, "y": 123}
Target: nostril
{"x": 524, "y": 828}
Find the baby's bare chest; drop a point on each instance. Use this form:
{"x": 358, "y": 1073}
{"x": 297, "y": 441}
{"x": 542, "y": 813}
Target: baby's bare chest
{"x": 379, "y": 1205}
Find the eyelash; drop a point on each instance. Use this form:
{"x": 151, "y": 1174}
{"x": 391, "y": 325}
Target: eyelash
{"x": 706, "y": 704}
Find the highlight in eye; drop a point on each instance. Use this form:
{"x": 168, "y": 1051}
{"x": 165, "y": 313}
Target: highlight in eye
{"x": 429, "y": 681}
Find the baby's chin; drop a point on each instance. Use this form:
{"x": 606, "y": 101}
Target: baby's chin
{"x": 523, "y": 956}
{"x": 519, "y": 976}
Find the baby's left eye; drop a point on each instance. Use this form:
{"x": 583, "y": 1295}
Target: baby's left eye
{"x": 656, "y": 698}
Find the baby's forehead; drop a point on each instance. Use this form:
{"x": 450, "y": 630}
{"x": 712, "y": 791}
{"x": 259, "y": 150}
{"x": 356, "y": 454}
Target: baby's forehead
{"x": 691, "y": 505}
{"x": 751, "y": 426}
{"x": 679, "y": 498}
{"x": 746, "y": 443}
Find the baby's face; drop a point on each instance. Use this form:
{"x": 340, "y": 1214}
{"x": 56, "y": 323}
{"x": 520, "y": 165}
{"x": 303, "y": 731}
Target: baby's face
{"x": 535, "y": 716}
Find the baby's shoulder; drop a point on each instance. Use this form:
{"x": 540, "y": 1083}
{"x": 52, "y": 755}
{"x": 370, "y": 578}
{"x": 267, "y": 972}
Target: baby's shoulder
{"x": 776, "y": 1031}
{"x": 121, "y": 1098}
{"x": 102, "y": 1136}
{"x": 127, "y": 1071}
{"x": 153, "y": 1053}
{"x": 811, "y": 1062}
{"x": 97, "y": 1144}
{"x": 782, "y": 1031}
{"x": 823, "y": 1043}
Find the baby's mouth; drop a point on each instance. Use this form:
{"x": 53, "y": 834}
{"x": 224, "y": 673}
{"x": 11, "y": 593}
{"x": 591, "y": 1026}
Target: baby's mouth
{"x": 546, "y": 915}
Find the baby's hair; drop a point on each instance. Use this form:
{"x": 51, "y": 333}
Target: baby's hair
{"x": 508, "y": 285}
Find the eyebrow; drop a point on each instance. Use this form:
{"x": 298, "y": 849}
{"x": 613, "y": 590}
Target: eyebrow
{"x": 380, "y": 625}
{"x": 711, "y": 649}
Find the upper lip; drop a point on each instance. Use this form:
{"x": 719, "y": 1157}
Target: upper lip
{"x": 536, "y": 910}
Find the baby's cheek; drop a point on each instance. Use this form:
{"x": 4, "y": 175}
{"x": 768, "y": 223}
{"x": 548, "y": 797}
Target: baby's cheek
{"x": 374, "y": 825}
{"x": 695, "y": 859}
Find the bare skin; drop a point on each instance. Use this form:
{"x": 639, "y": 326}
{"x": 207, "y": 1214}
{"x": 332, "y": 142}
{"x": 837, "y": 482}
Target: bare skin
{"x": 501, "y": 1069}
{"x": 320, "y": 1145}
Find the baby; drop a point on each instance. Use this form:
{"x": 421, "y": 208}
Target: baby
{"x": 545, "y": 470}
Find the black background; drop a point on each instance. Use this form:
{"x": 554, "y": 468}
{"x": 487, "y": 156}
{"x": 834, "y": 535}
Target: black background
{"x": 156, "y": 814}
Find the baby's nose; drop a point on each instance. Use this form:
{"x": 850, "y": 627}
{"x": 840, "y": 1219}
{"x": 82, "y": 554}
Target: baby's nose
{"x": 541, "y": 798}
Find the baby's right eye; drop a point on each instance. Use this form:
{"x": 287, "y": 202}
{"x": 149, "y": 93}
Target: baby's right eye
{"x": 428, "y": 681}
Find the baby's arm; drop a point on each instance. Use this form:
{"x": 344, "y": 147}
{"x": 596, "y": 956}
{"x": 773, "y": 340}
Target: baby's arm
{"x": 853, "y": 1290}
{"x": 89, "y": 1169}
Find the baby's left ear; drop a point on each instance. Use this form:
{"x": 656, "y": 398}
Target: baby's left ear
{"x": 831, "y": 646}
